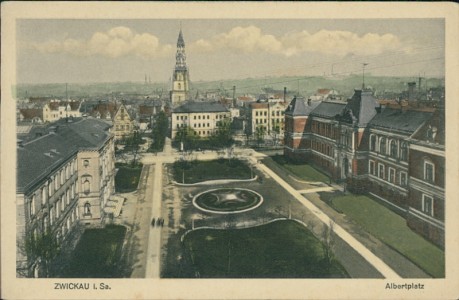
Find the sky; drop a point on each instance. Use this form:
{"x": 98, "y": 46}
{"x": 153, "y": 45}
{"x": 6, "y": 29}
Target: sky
{"x": 85, "y": 51}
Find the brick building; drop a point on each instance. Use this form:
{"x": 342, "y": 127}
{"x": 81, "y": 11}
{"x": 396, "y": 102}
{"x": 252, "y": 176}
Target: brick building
{"x": 382, "y": 151}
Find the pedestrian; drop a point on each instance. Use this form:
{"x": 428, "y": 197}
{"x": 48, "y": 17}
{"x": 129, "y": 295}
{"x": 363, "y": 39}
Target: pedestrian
{"x": 158, "y": 222}
{"x": 162, "y": 222}
{"x": 153, "y": 222}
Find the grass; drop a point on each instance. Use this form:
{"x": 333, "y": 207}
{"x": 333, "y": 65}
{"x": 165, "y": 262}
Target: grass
{"x": 302, "y": 171}
{"x": 127, "y": 177}
{"x": 97, "y": 254}
{"x": 197, "y": 171}
{"x": 282, "y": 249}
{"x": 392, "y": 230}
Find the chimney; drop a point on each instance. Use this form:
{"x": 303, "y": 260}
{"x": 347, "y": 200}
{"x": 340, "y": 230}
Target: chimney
{"x": 309, "y": 102}
{"x": 378, "y": 109}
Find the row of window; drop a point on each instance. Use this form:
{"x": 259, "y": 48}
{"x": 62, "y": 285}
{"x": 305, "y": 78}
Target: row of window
{"x": 60, "y": 204}
{"x": 390, "y": 176}
{"x": 122, "y": 127}
{"x": 273, "y": 113}
{"x": 58, "y": 180}
{"x": 322, "y": 148}
{"x": 392, "y": 147}
{"x": 323, "y": 129}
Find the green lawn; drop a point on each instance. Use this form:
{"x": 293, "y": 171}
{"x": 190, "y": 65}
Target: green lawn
{"x": 302, "y": 171}
{"x": 392, "y": 230}
{"x": 282, "y": 249}
{"x": 197, "y": 171}
{"x": 97, "y": 254}
{"x": 127, "y": 177}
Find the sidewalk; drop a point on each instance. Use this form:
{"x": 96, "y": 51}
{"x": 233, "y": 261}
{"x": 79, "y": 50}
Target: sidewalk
{"x": 353, "y": 234}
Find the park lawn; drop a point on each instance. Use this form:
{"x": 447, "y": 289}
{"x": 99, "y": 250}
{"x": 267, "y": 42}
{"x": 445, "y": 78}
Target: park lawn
{"x": 391, "y": 228}
{"x": 282, "y": 249}
{"x": 127, "y": 177}
{"x": 197, "y": 171}
{"x": 97, "y": 254}
{"x": 303, "y": 171}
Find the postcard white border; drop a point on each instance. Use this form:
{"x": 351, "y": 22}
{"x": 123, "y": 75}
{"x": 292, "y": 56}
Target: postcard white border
{"x": 13, "y": 288}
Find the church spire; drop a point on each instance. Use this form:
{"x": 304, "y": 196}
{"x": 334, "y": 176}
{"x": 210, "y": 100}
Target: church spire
{"x": 180, "y": 57}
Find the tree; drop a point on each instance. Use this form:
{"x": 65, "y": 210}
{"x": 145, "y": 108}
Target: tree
{"x": 260, "y": 132}
{"x": 187, "y": 137}
{"x": 328, "y": 242}
{"x": 42, "y": 248}
{"x": 223, "y": 136}
{"x": 133, "y": 145}
{"x": 159, "y": 131}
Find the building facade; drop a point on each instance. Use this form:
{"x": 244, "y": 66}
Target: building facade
{"x": 269, "y": 115}
{"x": 56, "y": 191}
{"x": 180, "y": 77}
{"x": 55, "y": 110}
{"x": 123, "y": 123}
{"x": 376, "y": 150}
{"x": 203, "y": 117}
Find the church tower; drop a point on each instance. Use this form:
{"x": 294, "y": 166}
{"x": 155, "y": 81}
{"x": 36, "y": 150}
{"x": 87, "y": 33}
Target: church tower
{"x": 180, "y": 78}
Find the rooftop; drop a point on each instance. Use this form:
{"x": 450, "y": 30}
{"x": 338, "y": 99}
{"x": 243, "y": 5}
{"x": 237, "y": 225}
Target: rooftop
{"x": 200, "y": 107}
{"x": 39, "y": 156}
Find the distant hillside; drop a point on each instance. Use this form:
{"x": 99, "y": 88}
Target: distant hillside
{"x": 306, "y": 86}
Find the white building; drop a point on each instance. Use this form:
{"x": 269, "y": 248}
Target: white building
{"x": 202, "y": 117}
{"x": 64, "y": 179}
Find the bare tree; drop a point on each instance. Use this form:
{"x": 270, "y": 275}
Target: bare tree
{"x": 328, "y": 241}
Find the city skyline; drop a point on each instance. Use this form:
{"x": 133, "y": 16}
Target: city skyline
{"x": 84, "y": 51}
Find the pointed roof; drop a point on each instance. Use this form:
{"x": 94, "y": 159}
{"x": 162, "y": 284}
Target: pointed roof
{"x": 297, "y": 107}
{"x": 362, "y": 107}
{"x": 180, "y": 41}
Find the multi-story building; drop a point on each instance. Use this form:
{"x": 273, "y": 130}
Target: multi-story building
{"x": 269, "y": 115}
{"x": 203, "y": 117}
{"x": 64, "y": 178}
{"x": 388, "y": 153}
{"x": 426, "y": 201}
{"x": 56, "y": 110}
{"x": 394, "y": 154}
{"x": 180, "y": 77}
{"x": 123, "y": 123}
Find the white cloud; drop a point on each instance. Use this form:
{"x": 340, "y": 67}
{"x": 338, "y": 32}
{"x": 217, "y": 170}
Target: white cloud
{"x": 122, "y": 41}
{"x": 341, "y": 43}
{"x": 116, "y": 42}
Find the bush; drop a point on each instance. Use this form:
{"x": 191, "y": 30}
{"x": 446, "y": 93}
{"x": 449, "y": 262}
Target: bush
{"x": 127, "y": 177}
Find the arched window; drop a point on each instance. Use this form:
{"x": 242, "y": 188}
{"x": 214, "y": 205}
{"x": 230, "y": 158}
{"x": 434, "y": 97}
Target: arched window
{"x": 382, "y": 146}
{"x": 393, "y": 149}
{"x": 45, "y": 224}
{"x": 404, "y": 151}
{"x": 32, "y": 206}
{"x": 372, "y": 142}
{"x": 86, "y": 186}
{"x": 44, "y": 193}
{"x": 87, "y": 208}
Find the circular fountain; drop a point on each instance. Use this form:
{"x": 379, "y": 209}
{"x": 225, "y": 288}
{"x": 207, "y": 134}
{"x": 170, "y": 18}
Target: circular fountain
{"x": 227, "y": 200}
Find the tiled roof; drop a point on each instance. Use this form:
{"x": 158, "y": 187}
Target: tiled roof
{"x": 298, "y": 107}
{"x": 198, "y": 107}
{"x": 30, "y": 113}
{"x": 328, "y": 109}
{"x": 407, "y": 121}
{"x": 40, "y": 156}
